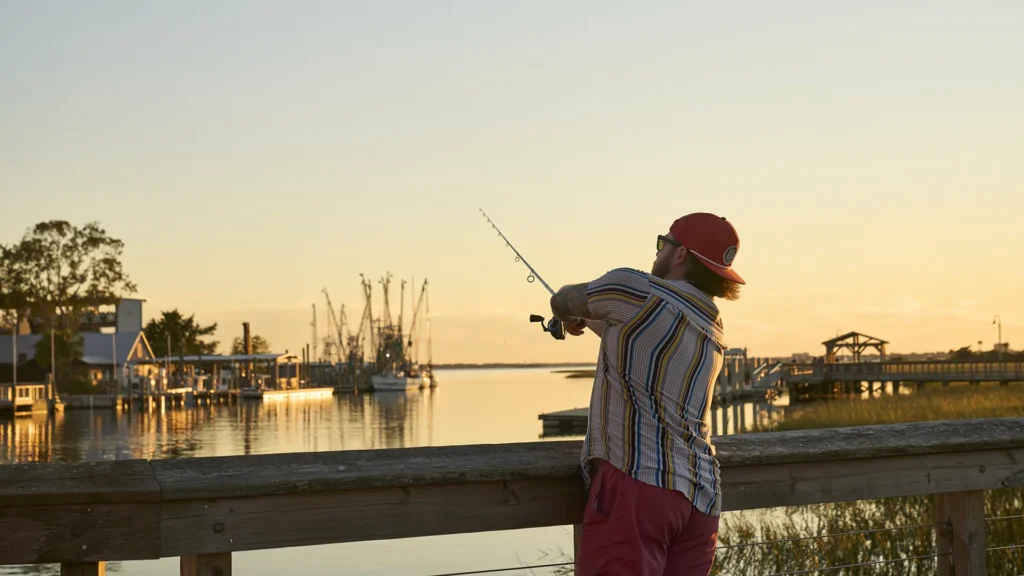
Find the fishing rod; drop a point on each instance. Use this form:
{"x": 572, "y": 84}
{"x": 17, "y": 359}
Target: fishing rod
{"x": 553, "y": 326}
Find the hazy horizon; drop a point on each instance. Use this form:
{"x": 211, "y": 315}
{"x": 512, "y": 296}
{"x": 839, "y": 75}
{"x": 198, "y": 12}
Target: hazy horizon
{"x": 251, "y": 154}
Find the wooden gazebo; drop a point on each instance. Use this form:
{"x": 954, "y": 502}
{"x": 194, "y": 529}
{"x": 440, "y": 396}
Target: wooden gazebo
{"x": 854, "y": 342}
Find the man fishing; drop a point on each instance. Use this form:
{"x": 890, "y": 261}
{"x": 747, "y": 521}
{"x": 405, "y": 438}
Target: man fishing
{"x": 654, "y": 483}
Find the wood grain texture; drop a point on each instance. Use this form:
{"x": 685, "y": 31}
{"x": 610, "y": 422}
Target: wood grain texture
{"x": 38, "y": 484}
{"x": 270, "y": 474}
{"x": 943, "y": 536}
{"x": 765, "y": 486}
{"x": 211, "y": 526}
{"x": 84, "y": 569}
{"x": 79, "y": 533}
{"x": 870, "y": 441}
{"x": 964, "y": 512}
{"x": 221, "y": 525}
{"x": 206, "y": 565}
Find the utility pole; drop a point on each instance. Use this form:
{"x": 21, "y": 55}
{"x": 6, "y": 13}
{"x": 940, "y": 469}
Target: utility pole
{"x": 314, "y": 332}
{"x": 997, "y": 321}
{"x": 167, "y": 362}
{"x": 14, "y": 352}
{"x": 113, "y": 347}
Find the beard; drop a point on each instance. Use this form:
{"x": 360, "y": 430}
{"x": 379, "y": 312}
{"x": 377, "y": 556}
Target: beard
{"x": 660, "y": 267}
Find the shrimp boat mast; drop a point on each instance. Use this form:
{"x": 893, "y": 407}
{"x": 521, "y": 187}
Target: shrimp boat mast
{"x": 397, "y": 366}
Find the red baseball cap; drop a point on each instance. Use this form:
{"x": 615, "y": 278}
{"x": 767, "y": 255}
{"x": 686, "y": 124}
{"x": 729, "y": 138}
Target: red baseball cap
{"x": 712, "y": 239}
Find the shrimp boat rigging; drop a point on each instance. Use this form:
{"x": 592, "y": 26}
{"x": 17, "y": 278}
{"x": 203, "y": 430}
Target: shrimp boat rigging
{"x": 397, "y": 365}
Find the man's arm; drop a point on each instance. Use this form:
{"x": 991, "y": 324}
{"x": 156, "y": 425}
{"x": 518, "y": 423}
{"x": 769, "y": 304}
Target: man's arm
{"x": 597, "y": 326}
{"x": 571, "y": 302}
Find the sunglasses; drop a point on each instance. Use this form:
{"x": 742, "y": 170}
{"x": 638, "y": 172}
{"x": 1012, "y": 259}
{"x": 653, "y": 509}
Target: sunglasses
{"x": 662, "y": 240}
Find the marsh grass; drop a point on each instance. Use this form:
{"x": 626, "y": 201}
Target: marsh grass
{"x": 952, "y": 403}
{"x": 935, "y": 403}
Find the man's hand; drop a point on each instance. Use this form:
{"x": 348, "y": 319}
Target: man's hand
{"x": 570, "y": 306}
{"x": 575, "y": 326}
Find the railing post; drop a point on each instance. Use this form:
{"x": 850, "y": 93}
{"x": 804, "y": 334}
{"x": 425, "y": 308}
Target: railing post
{"x": 83, "y": 569}
{"x": 577, "y": 535}
{"x": 961, "y": 542}
{"x": 206, "y": 565}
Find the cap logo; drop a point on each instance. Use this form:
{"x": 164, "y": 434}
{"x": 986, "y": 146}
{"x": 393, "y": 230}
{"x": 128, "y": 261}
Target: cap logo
{"x": 727, "y": 258}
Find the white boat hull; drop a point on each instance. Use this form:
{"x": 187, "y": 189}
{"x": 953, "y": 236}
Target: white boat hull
{"x": 256, "y": 394}
{"x": 389, "y": 382}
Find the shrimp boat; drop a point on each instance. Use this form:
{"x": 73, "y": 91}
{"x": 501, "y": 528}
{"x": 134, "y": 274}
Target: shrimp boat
{"x": 397, "y": 380}
{"x": 397, "y": 351}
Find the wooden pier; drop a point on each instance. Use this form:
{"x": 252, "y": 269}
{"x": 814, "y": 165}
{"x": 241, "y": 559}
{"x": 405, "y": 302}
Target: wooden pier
{"x": 828, "y": 379}
{"x": 203, "y": 509}
{"x": 184, "y": 397}
{"x": 566, "y": 422}
{"x": 26, "y": 399}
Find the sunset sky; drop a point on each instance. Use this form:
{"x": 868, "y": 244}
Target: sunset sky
{"x": 870, "y": 155}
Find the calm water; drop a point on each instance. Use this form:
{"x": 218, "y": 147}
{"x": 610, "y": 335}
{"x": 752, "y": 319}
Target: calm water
{"x": 470, "y": 407}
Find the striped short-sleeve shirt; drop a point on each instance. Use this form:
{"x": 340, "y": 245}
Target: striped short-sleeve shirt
{"x": 661, "y": 352}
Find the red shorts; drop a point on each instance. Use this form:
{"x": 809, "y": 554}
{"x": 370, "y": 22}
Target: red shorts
{"x": 635, "y": 529}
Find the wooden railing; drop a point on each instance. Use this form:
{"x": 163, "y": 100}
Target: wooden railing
{"x": 1011, "y": 371}
{"x": 202, "y": 509}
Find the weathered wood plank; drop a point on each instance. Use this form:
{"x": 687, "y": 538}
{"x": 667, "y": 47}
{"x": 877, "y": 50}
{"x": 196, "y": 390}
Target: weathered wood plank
{"x": 206, "y": 565}
{"x": 39, "y": 484}
{"x": 765, "y": 486}
{"x": 79, "y": 533}
{"x": 209, "y": 526}
{"x": 964, "y": 539}
{"x": 943, "y": 536}
{"x": 870, "y": 441}
{"x": 266, "y": 475}
{"x": 84, "y": 569}
{"x": 212, "y": 526}
{"x": 577, "y": 537}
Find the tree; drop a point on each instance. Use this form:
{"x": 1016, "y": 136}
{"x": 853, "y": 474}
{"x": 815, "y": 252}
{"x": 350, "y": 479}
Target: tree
{"x": 961, "y": 354}
{"x": 66, "y": 345}
{"x": 57, "y": 273}
{"x": 259, "y": 346}
{"x": 60, "y": 271}
{"x": 186, "y": 335}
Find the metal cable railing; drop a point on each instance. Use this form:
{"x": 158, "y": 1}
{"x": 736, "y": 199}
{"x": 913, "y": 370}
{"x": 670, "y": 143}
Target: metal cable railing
{"x": 820, "y": 561}
{"x": 511, "y": 569}
{"x": 816, "y": 569}
{"x": 833, "y": 535}
{"x": 1011, "y": 555}
{"x": 859, "y": 564}
{"x": 994, "y": 518}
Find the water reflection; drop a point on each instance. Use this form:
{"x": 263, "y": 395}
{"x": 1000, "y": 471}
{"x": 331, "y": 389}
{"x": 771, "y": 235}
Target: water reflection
{"x": 351, "y": 422}
{"x": 479, "y": 407}
{"x": 745, "y": 416}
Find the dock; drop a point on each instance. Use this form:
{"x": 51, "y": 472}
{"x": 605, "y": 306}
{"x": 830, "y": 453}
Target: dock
{"x": 27, "y": 399}
{"x": 566, "y": 422}
{"x": 251, "y": 394}
{"x": 166, "y": 399}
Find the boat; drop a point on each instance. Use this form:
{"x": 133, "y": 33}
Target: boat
{"x": 396, "y": 380}
{"x": 382, "y": 354}
{"x": 268, "y": 393}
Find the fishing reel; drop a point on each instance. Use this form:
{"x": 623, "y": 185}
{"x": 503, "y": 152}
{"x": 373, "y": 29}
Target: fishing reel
{"x": 553, "y": 326}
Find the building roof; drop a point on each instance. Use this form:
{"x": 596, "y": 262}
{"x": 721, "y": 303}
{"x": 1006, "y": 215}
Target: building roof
{"x": 97, "y": 347}
{"x": 864, "y": 339}
{"x": 222, "y": 358}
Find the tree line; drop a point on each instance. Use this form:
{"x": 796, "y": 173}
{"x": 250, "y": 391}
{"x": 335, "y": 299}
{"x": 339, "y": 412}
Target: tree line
{"x": 59, "y": 274}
